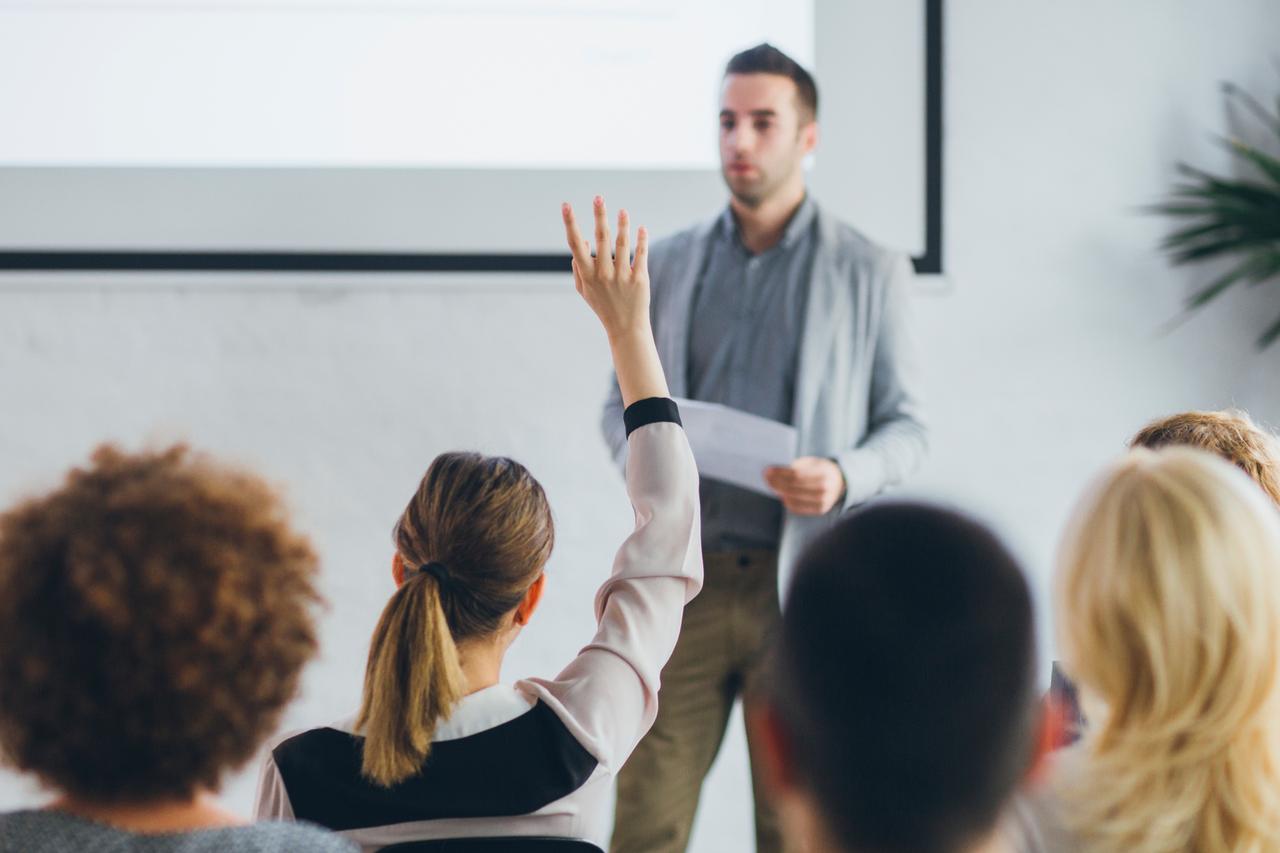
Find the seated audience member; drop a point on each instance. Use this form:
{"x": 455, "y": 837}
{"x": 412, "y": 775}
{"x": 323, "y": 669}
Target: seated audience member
{"x": 440, "y": 747}
{"x": 1168, "y": 612}
{"x": 1231, "y": 434}
{"x": 899, "y": 715}
{"x": 155, "y": 611}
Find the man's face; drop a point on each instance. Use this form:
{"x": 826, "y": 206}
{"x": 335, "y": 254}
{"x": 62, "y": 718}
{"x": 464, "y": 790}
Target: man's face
{"x": 763, "y": 137}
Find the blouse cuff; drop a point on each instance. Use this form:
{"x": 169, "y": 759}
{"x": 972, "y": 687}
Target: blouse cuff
{"x": 650, "y": 410}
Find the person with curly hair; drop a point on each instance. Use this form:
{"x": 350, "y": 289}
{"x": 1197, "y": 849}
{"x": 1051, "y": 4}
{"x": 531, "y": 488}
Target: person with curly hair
{"x": 155, "y": 612}
{"x": 441, "y": 747}
{"x": 1229, "y": 433}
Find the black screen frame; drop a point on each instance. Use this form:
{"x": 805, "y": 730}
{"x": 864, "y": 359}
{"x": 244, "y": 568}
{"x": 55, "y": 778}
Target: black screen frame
{"x": 232, "y": 260}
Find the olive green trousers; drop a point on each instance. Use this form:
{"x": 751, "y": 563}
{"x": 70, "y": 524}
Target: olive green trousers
{"x": 722, "y": 642}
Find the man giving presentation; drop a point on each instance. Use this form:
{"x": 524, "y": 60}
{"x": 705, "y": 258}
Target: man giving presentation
{"x": 776, "y": 309}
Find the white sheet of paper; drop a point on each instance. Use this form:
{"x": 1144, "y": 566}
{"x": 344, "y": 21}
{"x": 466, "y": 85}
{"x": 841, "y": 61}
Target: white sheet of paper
{"x": 734, "y": 446}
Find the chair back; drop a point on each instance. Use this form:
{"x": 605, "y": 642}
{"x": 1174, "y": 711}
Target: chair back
{"x": 508, "y": 844}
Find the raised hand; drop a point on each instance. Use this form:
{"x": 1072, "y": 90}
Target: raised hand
{"x": 617, "y": 289}
{"x": 615, "y": 286}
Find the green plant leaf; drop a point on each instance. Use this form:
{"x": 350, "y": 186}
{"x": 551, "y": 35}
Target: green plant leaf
{"x": 1269, "y": 165}
{"x": 1246, "y": 192}
{"x": 1260, "y": 217}
{"x": 1258, "y": 220}
{"x": 1268, "y": 266}
{"x": 1208, "y": 294}
{"x": 1172, "y": 209}
{"x": 1193, "y": 233}
{"x": 1245, "y": 269}
{"x": 1212, "y": 249}
{"x": 1235, "y": 219}
{"x": 1203, "y": 178}
{"x": 1234, "y": 92}
{"x": 1234, "y": 212}
{"x": 1245, "y": 229}
{"x": 1214, "y": 230}
{"x": 1270, "y": 335}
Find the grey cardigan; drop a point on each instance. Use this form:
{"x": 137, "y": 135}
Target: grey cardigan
{"x": 856, "y": 386}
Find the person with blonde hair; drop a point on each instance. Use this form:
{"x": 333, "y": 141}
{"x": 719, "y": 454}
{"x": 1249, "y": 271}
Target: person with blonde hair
{"x": 1168, "y": 612}
{"x": 440, "y": 747}
{"x": 1230, "y": 434}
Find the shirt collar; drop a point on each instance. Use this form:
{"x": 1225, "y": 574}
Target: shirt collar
{"x": 797, "y": 226}
{"x": 474, "y": 713}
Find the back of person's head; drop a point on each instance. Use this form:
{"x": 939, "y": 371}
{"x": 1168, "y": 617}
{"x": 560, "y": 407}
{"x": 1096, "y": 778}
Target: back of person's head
{"x": 1230, "y": 433}
{"x": 473, "y": 539}
{"x": 1168, "y": 598}
{"x": 903, "y": 682}
{"x": 767, "y": 59}
{"x": 155, "y": 612}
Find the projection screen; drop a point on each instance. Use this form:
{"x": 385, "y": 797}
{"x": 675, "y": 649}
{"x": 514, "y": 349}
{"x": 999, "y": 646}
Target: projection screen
{"x": 302, "y": 132}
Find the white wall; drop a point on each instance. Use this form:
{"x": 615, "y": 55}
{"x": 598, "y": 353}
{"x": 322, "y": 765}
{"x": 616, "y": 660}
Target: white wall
{"x": 1044, "y": 344}
{"x": 1051, "y": 348}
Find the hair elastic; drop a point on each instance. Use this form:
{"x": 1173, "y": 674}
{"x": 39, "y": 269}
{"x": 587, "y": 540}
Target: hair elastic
{"x": 436, "y": 570}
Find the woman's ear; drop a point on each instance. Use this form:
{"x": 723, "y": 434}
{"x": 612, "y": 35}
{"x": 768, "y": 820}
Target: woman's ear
{"x": 524, "y": 610}
{"x": 397, "y": 569}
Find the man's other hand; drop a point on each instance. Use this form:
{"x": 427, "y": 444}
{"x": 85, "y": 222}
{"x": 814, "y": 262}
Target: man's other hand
{"x": 810, "y": 485}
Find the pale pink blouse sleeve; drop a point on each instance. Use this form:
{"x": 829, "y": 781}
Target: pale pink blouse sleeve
{"x": 272, "y": 802}
{"x": 608, "y": 695}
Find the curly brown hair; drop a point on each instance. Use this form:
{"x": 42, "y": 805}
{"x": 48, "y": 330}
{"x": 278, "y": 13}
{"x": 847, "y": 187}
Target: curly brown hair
{"x": 1229, "y": 433}
{"x": 155, "y": 613}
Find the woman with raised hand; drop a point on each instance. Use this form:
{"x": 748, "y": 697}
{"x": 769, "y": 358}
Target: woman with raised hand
{"x": 440, "y": 748}
{"x": 1168, "y": 612}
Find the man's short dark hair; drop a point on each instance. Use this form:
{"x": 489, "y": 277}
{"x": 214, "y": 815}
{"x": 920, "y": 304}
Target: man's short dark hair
{"x": 904, "y": 679}
{"x": 767, "y": 59}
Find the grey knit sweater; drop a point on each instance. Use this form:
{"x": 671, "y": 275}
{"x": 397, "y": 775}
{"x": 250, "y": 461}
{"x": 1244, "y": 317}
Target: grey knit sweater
{"x": 50, "y": 831}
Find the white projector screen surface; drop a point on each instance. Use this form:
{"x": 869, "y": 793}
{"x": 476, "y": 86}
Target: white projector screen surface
{"x": 477, "y": 84}
{"x": 257, "y": 156}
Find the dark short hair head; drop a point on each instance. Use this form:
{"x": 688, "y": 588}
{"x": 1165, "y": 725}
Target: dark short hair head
{"x": 904, "y": 678}
{"x": 766, "y": 59}
{"x": 155, "y": 612}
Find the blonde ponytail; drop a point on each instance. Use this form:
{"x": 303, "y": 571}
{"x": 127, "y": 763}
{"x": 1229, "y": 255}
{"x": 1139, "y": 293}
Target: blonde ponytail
{"x": 477, "y": 533}
{"x": 412, "y": 680}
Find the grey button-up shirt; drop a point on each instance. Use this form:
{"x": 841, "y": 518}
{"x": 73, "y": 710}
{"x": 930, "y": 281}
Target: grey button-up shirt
{"x": 744, "y": 344}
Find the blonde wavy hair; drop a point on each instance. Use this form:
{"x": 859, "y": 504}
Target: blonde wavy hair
{"x": 1168, "y": 596}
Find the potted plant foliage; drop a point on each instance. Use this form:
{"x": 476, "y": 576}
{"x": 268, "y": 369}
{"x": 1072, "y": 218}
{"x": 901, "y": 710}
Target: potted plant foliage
{"x": 1234, "y": 219}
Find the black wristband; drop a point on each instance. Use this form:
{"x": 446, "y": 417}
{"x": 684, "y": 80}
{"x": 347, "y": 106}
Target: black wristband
{"x": 650, "y": 410}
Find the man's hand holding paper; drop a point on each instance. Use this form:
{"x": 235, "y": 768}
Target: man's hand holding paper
{"x": 759, "y": 454}
{"x": 811, "y": 485}
{"x": 734, "y": 446}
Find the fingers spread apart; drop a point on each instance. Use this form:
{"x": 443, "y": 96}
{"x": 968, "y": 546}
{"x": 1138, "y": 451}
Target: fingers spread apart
{"x": 608, "y": 260}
